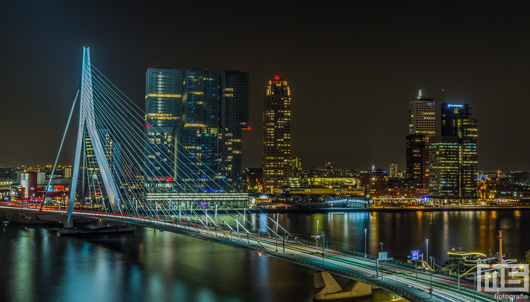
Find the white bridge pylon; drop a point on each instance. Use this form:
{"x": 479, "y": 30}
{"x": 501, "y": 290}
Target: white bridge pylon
{"x": 87, "y": 122}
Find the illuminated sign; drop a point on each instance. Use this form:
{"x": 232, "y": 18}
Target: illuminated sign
{"x": 415, "y": 255}
{"x": 455, "y": 105}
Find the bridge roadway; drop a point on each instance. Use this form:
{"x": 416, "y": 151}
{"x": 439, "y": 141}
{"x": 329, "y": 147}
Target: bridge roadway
{"x": 398, "y": 279}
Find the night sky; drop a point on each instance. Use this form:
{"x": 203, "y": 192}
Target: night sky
{"x": 352, "y": 69}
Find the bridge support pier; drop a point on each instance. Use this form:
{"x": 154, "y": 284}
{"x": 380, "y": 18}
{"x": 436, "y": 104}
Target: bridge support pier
{"x": 327, "y": 289}
{"x": 68, "y": 223}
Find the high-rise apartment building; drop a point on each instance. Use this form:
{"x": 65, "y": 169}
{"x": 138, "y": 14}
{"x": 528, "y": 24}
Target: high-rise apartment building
{"x": 276, "y": 134}
{"x": 163, "y": 111}
{"x": 444, "y": 159}
{"x": 197, "y": 160}
{"x": 422, "y": 125}
{"x": 233, "y": 120}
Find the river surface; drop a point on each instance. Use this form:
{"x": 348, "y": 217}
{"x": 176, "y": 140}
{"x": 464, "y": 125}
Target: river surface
{"x": 148, "y": 265}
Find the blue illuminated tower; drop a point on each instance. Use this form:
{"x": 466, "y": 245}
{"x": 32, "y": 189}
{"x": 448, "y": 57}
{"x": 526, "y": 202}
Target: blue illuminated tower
{"x": 197, "y": 160}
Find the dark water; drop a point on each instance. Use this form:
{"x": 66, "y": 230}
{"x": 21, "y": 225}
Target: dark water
{"x": 406, "y": 231}
{"x": 36, "y": 265}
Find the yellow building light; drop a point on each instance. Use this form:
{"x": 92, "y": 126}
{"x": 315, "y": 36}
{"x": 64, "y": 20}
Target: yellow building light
{"x": 195, "y": 125}
{"x": 162, "y": 95}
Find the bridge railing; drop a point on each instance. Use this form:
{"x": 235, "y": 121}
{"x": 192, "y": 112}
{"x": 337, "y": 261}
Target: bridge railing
{"x": 349, "y": 250}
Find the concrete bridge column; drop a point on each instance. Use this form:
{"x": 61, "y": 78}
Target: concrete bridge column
{"x": 327, "y": 289}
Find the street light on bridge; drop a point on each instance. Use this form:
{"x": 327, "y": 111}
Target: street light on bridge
{"x": 365, "y": 242}
{"x": 377, "y": 260}
{"x": 427, "y": 249}
{"x": 432, "y": 271}
{"x": 316, "y": 236}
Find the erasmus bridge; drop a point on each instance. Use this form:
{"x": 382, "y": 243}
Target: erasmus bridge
{"x": 111, "y": 181}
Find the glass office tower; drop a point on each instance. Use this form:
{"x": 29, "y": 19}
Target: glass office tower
{"x": 197, "y": 150}
{"x": 233, "y": 120}
{"x": 163, "y": 111}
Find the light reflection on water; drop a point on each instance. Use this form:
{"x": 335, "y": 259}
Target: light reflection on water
{"x": 405, "y": 231}
{"x": 36, "y": 265}
{"x": 160, "y": 266}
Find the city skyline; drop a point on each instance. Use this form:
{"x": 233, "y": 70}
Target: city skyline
{"x": 271, "y": 151}
{"x": 364, "y": 120}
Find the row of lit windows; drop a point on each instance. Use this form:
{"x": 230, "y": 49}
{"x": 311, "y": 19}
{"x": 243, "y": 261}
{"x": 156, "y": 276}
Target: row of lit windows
{"x": 162, "y": 95}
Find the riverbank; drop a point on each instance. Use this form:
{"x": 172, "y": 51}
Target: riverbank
{"x": 392, "y": 209}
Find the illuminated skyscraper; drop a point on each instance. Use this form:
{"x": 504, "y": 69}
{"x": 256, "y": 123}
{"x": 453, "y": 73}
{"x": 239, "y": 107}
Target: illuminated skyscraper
{"x": 457, "y": 121}
{"x": 444, "y": 156}
{"x": 233, "y": 120}
{"x": 422, "y": 116}
{"x": 163, "y": 103}
{"x": 454, "y": 155}
{"x": 276, "y": 134}
{"x": 163, "y": 97}
{"x": 417, "y": 159}
{"x": 197, "y": 151}
{"x": 422, "y": 125}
